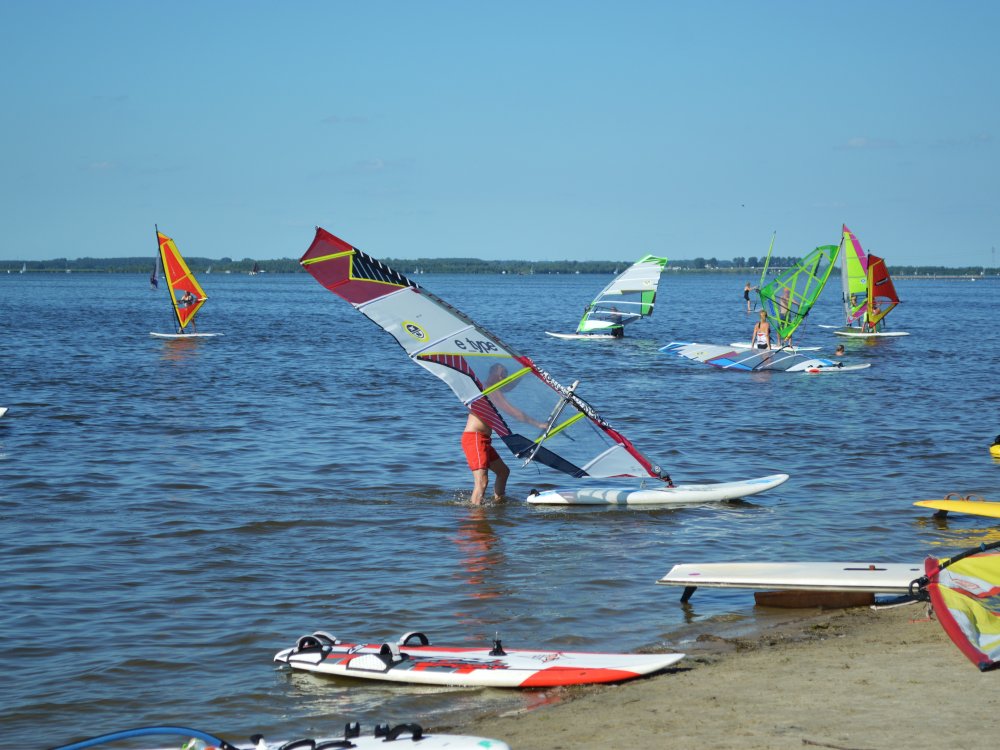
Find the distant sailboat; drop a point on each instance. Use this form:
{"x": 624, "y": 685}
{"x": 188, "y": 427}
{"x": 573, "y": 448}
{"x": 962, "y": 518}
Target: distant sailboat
{"x": 628, "y": 298}
{"x": 24, "y": 268}
{"x": 868, "y": 292}
{"x": 208, "y": 271}
{"x": 179, "y": 278}
{"x": 255, "y": 270}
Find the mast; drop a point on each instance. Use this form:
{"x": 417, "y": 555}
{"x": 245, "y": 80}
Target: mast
{"x": 166, "y": 276}
{"x": 845, "y": 279}
{"x": 767, "y": 262}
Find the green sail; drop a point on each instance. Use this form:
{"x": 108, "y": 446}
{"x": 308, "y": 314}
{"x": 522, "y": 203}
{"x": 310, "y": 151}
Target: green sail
{"x": 790, "y": 295}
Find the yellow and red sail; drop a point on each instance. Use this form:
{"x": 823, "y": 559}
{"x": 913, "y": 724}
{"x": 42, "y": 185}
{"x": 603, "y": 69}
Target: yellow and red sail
{"x": 180, "y": 280}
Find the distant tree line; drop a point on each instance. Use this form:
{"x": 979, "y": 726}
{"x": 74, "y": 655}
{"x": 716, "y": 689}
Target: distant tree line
{"x": 410, "y": 266}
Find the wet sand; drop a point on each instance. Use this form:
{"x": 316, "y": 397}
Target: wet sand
{"x": 853, "y": 679}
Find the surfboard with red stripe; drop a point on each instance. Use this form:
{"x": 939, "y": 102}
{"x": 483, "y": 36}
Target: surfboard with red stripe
{"x": 413, "y": 659}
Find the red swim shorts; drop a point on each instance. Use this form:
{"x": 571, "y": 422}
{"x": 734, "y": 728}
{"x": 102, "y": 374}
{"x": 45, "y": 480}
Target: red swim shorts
{"x": 479, "y": 451}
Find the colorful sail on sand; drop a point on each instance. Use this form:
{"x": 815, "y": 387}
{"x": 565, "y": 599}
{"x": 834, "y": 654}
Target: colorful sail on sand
{"x": 538, "y": 419}
{"x": 868, "y": 292}
{"x": 628, "y": 298}
{"x": 186, "y": 295}
{"x": 965, "y": 593}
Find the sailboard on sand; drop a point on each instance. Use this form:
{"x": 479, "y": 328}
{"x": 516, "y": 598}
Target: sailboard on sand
{"x": 179, "y": 280}
{"x": 413, "y": 659}
{"x": 385, "y": 736}
{"x": 538, "y": 419}
{"x": 628, "y": 298}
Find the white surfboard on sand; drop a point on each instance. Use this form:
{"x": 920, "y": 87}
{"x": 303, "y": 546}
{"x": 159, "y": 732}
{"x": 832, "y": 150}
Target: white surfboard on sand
{"x": 183, "y": 335}
{"x": 878, "y": 578}
{"x": 413, "y": 659}
{"x": 660, "y": 495}
{"x": 384, "y": 736}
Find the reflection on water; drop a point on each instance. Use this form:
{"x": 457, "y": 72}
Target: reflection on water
{"x": 481, "y": 554}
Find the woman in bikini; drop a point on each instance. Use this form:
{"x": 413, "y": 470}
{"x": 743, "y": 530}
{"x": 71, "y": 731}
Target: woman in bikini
{"x": 761, "y": 336}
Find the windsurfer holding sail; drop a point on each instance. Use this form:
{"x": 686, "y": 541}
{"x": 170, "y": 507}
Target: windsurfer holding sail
{"x": 761, "y": 336}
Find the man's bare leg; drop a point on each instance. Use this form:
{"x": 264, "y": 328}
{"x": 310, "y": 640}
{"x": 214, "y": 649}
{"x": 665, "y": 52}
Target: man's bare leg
{"x": 500, "y": 485}
{"x": 480, "y": 479}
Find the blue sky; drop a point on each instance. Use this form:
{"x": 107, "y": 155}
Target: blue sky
{"x": 542, "y": 130}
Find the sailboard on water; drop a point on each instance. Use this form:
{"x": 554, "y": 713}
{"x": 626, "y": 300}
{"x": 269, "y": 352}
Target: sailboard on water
{"x": 538, "y": 419}
{"x": 786, "y": 300}
{"x": 179, "y": 280}
{"x": 965, "y": 593}
{"x": 868, "y": 292}
{"x": 628, "y": 298}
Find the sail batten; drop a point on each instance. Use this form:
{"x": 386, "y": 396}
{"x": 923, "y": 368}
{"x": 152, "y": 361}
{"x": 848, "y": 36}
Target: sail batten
{"x": 502, "y": 387}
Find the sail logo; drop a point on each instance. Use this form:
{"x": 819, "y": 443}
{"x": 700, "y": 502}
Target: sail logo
{"x": 414, "y": 330}
{"x": 478, "y": 346}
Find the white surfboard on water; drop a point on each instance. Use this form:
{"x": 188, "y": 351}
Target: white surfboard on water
{"x": 662, "y": 495}
{"x": 182, "y": 335}
{"x": 413, "y": 659}
{"x": 871, "y": 577}
{"x": 857, "y": 333}
{"x": 3, "y": 410}
{"x": 745, "y": 345}
{"x": 581, "y": 335}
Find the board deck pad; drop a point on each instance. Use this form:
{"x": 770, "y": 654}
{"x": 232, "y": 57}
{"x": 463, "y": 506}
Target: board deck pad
{"x": 877, "y": 578}
{"x": 661, "y": 495}
{"x": 413, "y": 659}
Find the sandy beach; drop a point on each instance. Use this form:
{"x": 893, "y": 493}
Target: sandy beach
{"x": 852, "y": 679}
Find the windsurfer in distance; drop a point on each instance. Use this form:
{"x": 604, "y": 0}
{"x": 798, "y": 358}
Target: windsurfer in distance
{"x": 477, "y": 440}
{"x": 746, "y": 294}
{"x": 761, "y": 336}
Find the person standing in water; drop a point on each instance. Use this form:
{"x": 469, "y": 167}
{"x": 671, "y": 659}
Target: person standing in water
{"x": 477, "y": 439}
{"x": 746, "y": 294}
{"x": 761, "y": 336}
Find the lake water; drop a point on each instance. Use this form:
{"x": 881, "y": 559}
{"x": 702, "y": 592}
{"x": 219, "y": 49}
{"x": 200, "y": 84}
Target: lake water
{"x": 172, "y": 513}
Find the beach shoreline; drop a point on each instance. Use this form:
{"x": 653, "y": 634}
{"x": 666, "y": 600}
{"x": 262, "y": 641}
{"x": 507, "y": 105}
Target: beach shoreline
{"x": 852, "y": 679}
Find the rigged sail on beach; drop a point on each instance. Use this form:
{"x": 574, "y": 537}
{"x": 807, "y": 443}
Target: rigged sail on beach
{"x": 537, "y": 418}
{"x": 630, "y": 297}
{"x": 965, "y": 593}
{"x": 179, "y": 279}
{"x": 789, "y": 297}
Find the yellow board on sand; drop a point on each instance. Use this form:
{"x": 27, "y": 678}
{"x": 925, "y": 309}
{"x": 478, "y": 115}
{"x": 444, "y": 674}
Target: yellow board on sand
{"x": 978, "y": 507}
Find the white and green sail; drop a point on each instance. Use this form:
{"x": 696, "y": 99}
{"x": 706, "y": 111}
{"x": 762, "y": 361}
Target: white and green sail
{"x": 788, "y": 298}
{"x": 630, "y": 297}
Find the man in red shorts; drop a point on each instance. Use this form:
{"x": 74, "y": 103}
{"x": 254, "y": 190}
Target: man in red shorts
{"x": 476, "y": 442}
{"x": 482, "y": 458}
